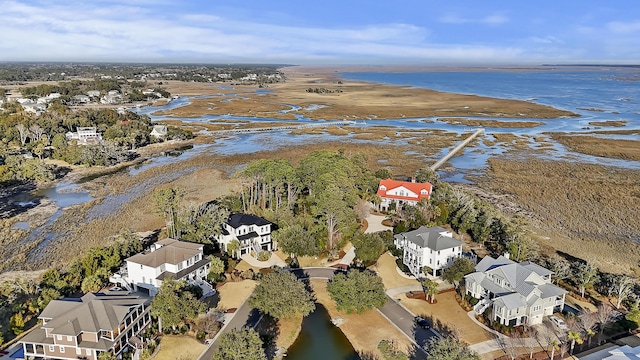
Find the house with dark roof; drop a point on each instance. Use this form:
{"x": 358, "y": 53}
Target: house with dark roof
{"x": 168, "y": 258}
{"x": 252, "y": 232}
{"x": 82, "y": 328}
{"x": 431, "y": 247}
{"x": 402, "y": 192}
{"x": 517, "y": 293}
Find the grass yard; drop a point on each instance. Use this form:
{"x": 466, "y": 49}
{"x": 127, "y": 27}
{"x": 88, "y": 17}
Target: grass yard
{"x": 447, "y": 312}
{"x": 365, "y": 330}
{"x": 178, "y": 347}
{"x": 386, "y": 269}
{"x": 232, "y": 294}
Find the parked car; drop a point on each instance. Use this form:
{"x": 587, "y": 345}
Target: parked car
{"x": 422, "y": 322}
{"x": 558, "y": 322}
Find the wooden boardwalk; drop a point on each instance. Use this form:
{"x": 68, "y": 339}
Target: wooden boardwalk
{"x": 286, "y": 127}
{"x": 451, "y": 153}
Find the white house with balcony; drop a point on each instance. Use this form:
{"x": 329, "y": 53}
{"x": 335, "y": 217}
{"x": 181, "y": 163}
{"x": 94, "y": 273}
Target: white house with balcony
{"x": 432, "y": 247}
{"x": 85, "y": 135}
{"x": 517, "y": 293}
{"x": 252, "y": 232}
{"x": 168, "y": 258}
{"x": 402, "y": 192}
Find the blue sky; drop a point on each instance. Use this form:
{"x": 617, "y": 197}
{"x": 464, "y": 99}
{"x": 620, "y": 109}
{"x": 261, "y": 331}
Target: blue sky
{"x": 322, "y": 32}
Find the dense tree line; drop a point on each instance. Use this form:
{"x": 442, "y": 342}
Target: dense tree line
{"x": 183, "y": 72}
{"x": 313, "y": 203}
{"x": 22, "y": 300}
{"x": 43, "y": 136}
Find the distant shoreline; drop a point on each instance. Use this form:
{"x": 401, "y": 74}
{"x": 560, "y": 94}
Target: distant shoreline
{"x": 455, "y": 68}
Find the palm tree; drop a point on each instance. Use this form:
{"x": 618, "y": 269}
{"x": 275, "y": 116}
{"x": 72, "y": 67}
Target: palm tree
{"x": 575, "y": 337}
{"x": 554, "y": 344}
{"x": 430, "y": 289}
{"x": 233, "y": 247}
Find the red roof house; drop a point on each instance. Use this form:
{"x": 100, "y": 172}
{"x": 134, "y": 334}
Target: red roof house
{"x": 402, "y": 192}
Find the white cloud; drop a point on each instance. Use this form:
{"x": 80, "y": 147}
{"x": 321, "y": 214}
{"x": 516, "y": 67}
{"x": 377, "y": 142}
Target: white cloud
{"x": 545, "y": 39}
{"x": 619, "y": 27}
{"x": 494, "y": 19}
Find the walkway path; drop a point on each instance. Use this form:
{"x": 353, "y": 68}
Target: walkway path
{"x": 456, "y": 149}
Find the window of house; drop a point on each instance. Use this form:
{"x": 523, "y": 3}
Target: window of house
{"x": 61, "y": 349}
{"x": 52, "y": 348}
{"x": 69, "y": 338}
{"x": 88, "y": 351}
{"x": 143, "y": 280}
{"x": 59, "y": 337}
{"x": 141, "y": 267}
{"x": 78, "y": 351}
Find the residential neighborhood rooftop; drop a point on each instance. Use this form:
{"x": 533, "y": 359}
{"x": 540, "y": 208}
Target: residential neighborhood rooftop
{"x": 236, "y": 220}
{"x": 170, "y": 251}
{"x": 431, "y": 238}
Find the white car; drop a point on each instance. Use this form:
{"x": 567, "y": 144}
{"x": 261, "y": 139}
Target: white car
{"x": 558, "y": 322}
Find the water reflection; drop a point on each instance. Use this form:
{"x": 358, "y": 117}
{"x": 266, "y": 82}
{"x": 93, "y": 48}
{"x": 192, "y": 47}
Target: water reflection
{"x": 321, "y": 340}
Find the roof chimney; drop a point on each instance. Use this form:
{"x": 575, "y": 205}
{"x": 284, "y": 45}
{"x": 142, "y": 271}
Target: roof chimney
{"x": 413, "y": 179}
{"x": 506, "y": 255}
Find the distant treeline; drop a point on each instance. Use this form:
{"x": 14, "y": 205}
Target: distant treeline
{"x": 21, "y": 72}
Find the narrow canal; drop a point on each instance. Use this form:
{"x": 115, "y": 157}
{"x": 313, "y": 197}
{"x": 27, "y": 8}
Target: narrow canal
{"x": 321, "y": 340}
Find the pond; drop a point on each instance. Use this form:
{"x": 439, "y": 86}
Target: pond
{"x": 320, "y": 339}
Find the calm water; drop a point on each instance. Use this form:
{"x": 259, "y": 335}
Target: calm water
{"x": 321, "y": 340}
{"x": 608, "y": 91}
{"x": 600, "y": 95}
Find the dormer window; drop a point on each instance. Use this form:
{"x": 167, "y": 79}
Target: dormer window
{"x": 424, "y": 192}
{"x": 383, "y": 188}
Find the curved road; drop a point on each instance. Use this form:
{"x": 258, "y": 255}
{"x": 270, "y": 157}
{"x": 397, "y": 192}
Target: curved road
{"x": 399, "y": 316}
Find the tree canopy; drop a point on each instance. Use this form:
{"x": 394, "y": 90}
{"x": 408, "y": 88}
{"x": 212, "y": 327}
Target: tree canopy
{"x": 357, "y": 291}
{"x": 242, "y": 344}
{"x": 175, "y": 305}
{"x": 281, "y": 295}
{"x": 455, "y": 272}
{"x": 369, "y": 247}
{"x": 449, "y": 349}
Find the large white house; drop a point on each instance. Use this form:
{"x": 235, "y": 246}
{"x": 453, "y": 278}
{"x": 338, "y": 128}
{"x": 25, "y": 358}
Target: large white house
{"x": 402, "y": 192}
{"x": 85, "y": 135}
{"x": 517, "y": 293}
{"x": 168, "y": 258}
{"x": 433, "y": 247}
{"x": 252, "y": 232}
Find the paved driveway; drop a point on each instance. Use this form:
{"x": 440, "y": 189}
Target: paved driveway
{"x": 374, "y": 223}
